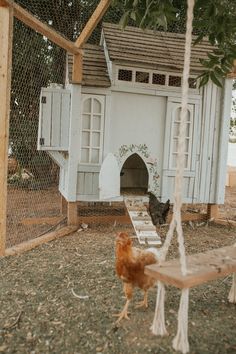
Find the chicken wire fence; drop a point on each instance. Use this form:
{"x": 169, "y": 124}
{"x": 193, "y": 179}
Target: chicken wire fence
{"x": 32, "y": 175}
{"x": 33, "y": 201}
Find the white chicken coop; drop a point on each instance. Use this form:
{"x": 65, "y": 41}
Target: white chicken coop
{"x": 118, "y": 132}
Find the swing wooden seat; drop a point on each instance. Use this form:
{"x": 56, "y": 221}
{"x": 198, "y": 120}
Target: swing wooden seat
{"x": 202, "y": 267}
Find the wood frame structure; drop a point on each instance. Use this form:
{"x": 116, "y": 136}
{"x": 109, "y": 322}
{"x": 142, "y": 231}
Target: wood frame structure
{"x": 99, "y": 12}
{"x": 92, "y": 22}
{"x": 6, "y": 23}
{"x": 31, "y": 21}
{"x": 28, "y": 245}
{"x": 8, "y": 10}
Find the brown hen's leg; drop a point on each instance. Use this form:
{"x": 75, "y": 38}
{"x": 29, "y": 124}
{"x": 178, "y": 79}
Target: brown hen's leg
{"x": 143, "y": 303}
{"x": 128, "y": 290}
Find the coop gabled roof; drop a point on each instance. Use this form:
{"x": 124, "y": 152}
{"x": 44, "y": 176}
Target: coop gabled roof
{"x": 155, "y": 50}
{"x": 94, "y": 67}
{"x": 137, "y": 48}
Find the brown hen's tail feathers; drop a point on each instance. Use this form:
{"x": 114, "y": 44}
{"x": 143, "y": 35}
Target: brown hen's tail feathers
{"x": 155, "y": 251}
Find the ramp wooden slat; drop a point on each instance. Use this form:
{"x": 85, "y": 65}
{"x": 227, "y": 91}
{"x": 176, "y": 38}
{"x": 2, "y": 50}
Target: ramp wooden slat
{"x": 141, "y": 220}
{"x": 202, "y": 267}
{"x": 145, "y": 227}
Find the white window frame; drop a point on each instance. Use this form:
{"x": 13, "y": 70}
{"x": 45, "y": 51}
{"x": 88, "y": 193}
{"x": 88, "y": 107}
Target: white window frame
{"x": 151, "y": 72}
{"x": 101, "y": 100}
{"x": 173, "y": 137}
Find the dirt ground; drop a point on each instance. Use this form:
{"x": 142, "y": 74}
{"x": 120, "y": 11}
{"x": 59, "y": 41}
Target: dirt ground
{"x": 60, "y": 297}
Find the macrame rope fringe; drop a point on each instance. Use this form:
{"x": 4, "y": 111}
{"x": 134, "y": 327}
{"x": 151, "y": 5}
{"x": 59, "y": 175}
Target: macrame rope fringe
{"x": 232, "y": 293}
{"x": 158, "y": 326}
{"x": 180, "y": 341}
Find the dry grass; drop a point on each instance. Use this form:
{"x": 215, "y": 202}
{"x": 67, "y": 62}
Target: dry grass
{"x": 41, "y": 314}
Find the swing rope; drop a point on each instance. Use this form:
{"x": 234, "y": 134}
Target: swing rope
{"x": 180, "y": 341}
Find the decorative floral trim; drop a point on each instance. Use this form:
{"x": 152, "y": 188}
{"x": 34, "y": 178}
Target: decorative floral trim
{"x": 127, "y": 150}
{"x": 142, "y": 149}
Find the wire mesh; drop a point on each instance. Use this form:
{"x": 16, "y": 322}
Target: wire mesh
{"x": 32, "y": 176}
{"x": 68, "y": 17}
{"x": 33, "y": 199}
{"x": 33, "y": 204}
{"x": 102, "y": 213}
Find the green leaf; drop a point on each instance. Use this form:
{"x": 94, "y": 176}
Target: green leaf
{"x": 204, "y": 80}
{"x": 198, "y": 39}
{"x": 124, "y": 19}
{"x": 218, "y": 52}
{"x": 133, "y": 15}
{"x": 212, "y": 38}
{"x": 211, "y": 56}
{"x": 219, "y": 71}
{"x": 211, "y": 10}
{"x": 215, "y": 79}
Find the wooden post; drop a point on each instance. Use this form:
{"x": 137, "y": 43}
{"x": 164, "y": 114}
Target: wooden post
{"x": 101, "y": 9}
{"x": 63, "y": 205}
{"x": 77, "y": 72}
{"x": 72, "y": 214}
{"x": 223, "y": 141}
{"x": 73, "y": 158}
{"x": 212, "y": 211}
{"x": 6, "y": 22}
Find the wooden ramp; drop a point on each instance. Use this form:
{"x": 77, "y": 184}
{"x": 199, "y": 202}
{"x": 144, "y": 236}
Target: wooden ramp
{"x": 141, "y": 220}
{"x": 202, "y": 267}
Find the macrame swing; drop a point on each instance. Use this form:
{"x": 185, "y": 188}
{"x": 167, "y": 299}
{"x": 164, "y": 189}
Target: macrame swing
{"x": 180, "y": 342}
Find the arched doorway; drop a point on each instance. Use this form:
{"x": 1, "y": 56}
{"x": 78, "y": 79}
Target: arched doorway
{"x": 134, "y": 176}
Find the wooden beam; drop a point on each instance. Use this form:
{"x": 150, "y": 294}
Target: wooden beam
{"x": 202, "y": 267}
{"x": 225, "y": 222}
{"x": 28, "y": 245}
{"x": 107, "y": 219}
{"x": 77, "y": 73}
{"x": 92, "y": 22}
{"x": 6, "y": 25}
{"x": 3, "y": 3}
{"x": 31, "y": 21}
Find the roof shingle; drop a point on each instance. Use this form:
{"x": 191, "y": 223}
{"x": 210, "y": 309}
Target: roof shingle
{"x": 134, "y": 47}
{"x": 155, "y": 50}
{"x": 94, "y": 67}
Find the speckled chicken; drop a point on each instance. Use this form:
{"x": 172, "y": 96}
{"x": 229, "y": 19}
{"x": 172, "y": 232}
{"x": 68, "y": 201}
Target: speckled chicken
{"x": 157, "y": 210}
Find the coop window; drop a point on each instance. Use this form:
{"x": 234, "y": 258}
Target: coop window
{"x": 92, "y": 122}
{"x": 175, "y": 139}
{"x": 192, "y": 83}
{"x": 142, "y": 76}
{"x": 175, "y": 81}
{"x": 158, "y": 79}
{"x": 125, "y": 75}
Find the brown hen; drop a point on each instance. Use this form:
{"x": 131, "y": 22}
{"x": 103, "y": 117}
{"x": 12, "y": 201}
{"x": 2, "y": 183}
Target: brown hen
{"x": 130, "y": 263}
